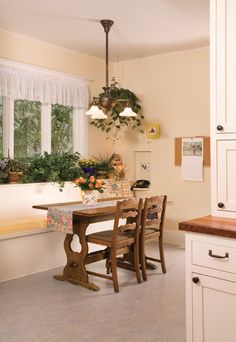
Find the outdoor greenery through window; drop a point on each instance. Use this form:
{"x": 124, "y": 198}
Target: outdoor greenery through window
{"x": 27, "y": 131}
{"x": 62, "y": 129}
{"x": 1, "y": 128}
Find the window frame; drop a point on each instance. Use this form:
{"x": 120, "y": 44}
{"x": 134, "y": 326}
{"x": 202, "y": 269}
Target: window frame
{"x": 80, "y": 128}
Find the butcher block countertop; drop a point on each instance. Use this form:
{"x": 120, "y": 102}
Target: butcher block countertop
{"x": 211, "y": 225}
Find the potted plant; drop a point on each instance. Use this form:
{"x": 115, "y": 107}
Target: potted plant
{"x": 104, "y": 165}
{"x": 87, "y": 165}
{"x": 15, "y": 169}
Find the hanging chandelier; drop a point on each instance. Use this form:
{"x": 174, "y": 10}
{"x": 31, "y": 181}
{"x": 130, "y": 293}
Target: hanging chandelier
{"x": 104, "y": 103}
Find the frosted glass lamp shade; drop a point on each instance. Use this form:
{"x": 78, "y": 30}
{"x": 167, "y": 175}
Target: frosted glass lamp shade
{"x": 92, "y": 110}
{"x": 96, "y": 113}
{"x": 127, "y": 112}
{"x": 99, "y": 115}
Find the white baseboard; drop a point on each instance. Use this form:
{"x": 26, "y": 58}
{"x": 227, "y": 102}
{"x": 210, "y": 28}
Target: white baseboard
{"x": 174, "y": 237}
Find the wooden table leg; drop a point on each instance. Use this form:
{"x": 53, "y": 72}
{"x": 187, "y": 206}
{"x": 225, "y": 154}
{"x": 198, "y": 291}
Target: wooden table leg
{"x": 75, "y": 271}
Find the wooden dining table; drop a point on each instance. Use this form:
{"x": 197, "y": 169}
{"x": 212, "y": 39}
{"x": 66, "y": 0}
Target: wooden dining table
{"x": 75, "y": 270}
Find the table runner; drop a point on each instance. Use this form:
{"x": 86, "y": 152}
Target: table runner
{"x": 61, "y": 218}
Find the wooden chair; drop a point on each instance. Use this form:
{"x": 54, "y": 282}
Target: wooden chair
{"x": 152, "y": 228}
{"x": 120, "y": 238}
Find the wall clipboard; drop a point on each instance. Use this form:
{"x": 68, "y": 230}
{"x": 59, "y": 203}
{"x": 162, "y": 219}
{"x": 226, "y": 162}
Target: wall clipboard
{"x": 206, "y": 150}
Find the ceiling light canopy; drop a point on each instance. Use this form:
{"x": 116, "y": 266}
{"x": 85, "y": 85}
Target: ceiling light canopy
{"x": 105, "y": 102}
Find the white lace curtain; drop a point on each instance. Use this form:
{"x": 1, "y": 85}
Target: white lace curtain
{"x": 36, "y": 85}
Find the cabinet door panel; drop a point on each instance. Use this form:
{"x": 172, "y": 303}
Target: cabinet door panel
{"x": 226, "y": 178}
{"x": 214, "y": 310}
{"x": 226, "y": 66}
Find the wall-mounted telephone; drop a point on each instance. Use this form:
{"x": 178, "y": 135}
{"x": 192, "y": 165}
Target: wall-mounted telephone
{"x": 142, "y": 183}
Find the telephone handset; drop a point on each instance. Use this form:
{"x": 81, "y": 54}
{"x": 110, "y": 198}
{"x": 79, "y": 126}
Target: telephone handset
{"x": 142, "y": 183}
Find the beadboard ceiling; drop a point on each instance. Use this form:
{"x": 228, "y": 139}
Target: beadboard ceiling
{"x": 142, "y": 27}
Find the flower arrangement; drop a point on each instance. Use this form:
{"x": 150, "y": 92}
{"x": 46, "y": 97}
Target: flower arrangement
{"x": 90, "y": 183}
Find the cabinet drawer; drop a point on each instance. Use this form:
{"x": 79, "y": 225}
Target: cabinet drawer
{"x": 214, "y": 256}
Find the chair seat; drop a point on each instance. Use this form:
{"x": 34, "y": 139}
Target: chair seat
{"x": 104, "y": 238}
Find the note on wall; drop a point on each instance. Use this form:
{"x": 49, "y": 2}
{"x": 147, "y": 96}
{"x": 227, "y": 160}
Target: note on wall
{"x": 142, "y": 165}
{"x": 192, "y": 159}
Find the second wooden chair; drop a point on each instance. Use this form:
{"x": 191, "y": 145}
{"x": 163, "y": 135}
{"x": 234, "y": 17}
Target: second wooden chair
{"x": 152, "y": 228}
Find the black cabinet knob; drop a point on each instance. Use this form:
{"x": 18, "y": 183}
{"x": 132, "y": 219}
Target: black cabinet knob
{"x": 219, "y": 128}
{"x": 195, "y": 280}
{"x": 221, "y": 205}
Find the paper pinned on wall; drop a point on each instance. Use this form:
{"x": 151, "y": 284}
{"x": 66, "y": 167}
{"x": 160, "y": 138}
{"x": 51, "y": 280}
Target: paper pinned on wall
{"x": 192, "y": 159}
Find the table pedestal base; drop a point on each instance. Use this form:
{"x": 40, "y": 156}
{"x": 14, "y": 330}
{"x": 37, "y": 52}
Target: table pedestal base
{"x": 73, "y": 281}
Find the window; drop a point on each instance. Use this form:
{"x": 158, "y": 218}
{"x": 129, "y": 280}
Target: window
{"x": 1, "y": 127}
{"x": 62, "y": 129}
{"x": 27, "y": 132}
{"x": 41, "y": 111}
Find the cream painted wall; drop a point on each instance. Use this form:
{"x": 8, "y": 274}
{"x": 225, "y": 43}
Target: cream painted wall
{"x": 174, "y": 90}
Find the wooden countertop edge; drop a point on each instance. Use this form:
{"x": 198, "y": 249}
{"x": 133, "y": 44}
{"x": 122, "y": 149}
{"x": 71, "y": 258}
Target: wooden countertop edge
{"x": 211, "y": 225}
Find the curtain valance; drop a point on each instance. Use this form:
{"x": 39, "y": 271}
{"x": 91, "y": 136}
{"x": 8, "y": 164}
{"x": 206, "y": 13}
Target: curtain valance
{"x": 36, "y": 85}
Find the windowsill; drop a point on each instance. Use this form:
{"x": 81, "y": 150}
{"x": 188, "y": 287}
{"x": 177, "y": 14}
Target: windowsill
{"x": 30, "y": 184}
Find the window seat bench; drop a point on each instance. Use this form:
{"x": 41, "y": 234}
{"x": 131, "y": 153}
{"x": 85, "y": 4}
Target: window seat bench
{"x": 23, "y": 226}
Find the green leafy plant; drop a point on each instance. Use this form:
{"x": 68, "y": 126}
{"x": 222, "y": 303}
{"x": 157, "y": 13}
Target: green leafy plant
{"x": 15, "y": 165}
{"x": 53, "y": 168}
{"x": 114, "y": 120}
{"x": 104, "y": 163}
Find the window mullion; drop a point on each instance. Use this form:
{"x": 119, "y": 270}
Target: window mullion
{"x": 80, "y": 131}
{"x": 46, "y": 128}
{"x": 8, "y": 127}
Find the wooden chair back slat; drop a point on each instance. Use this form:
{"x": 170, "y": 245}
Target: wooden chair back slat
{"x": 155, "y": 200}
{"x": 153, "y": 210}
{"x": 155, "y": 223}
{"x": 128, "y": 226}
{"x": 130, "y": 213}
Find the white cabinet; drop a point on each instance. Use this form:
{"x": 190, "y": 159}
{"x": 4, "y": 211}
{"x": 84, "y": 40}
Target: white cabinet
{"x": 224, "y": 22}
{"x": 223, "y": 107}
{"x": 226, "y": 175}
{"x": 211, "y": 288}
{"x": 214, "y": 309}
